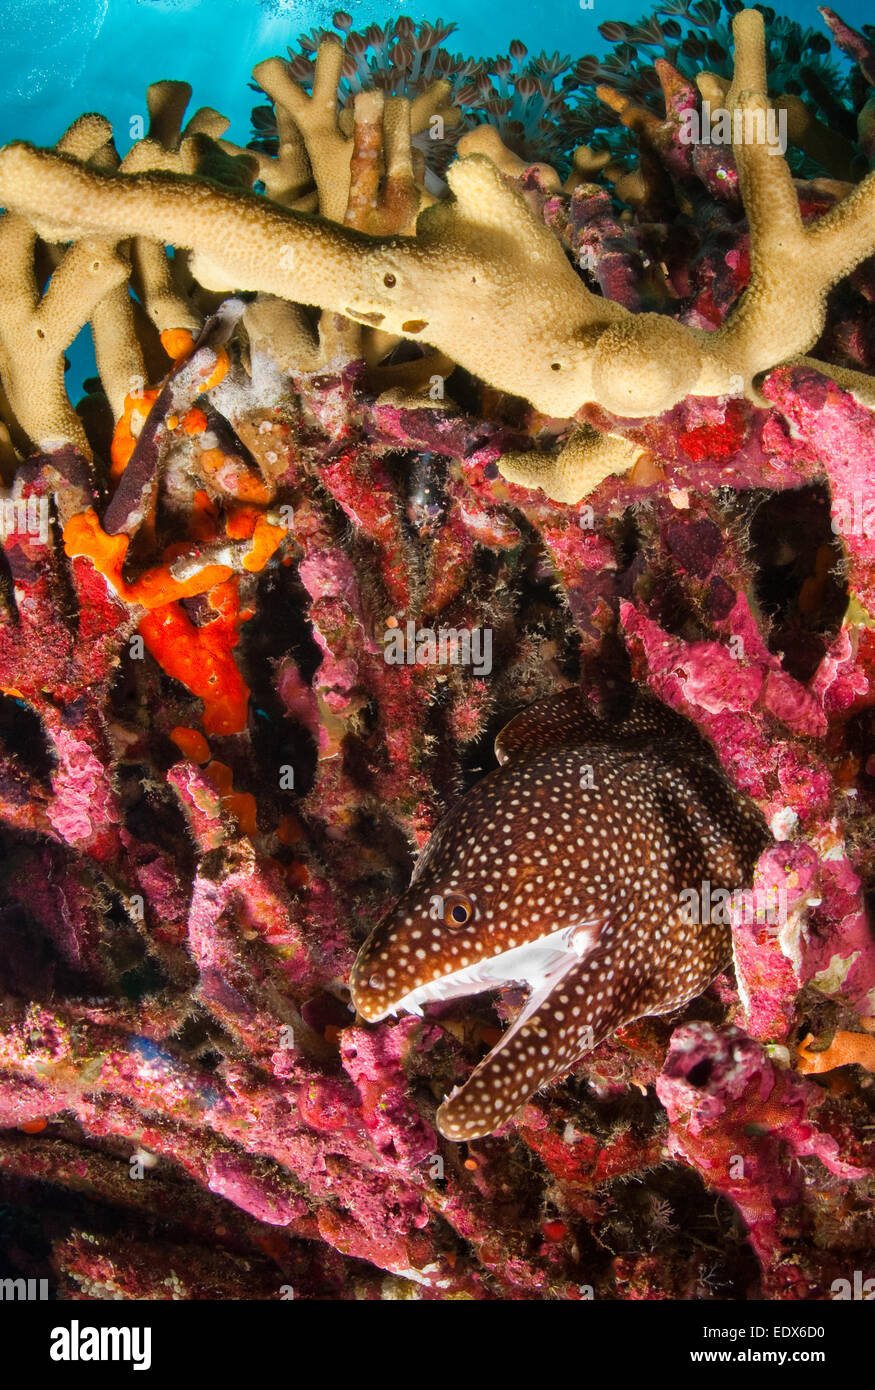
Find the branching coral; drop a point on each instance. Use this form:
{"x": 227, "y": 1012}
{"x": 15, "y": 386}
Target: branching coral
{"x": 487, "y": 259}
{"x": 36, "y": 331}
{"x": 519, "y": 98}
{"x": 330, "y": 150}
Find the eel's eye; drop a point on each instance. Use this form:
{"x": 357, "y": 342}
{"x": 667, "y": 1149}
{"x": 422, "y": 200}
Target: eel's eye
{"x": 458, "y": 911}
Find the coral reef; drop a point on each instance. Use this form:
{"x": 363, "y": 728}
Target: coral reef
{"x": 358, "y": 401}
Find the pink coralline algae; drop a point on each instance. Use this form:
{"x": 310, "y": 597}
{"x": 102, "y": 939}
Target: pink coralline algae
{"x": 732, "y": 1113}
{"x": 570, "y": 435}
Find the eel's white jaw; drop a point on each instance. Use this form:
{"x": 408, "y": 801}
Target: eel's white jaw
{"x": 538, "y": 964}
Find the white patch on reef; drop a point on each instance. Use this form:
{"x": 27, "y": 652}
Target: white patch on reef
{"x": 831, "y": 979}
{"x": 783, "y": 822}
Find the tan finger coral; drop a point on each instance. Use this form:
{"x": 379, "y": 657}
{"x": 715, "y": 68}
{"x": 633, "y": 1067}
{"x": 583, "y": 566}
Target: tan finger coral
{"x": 36, "y": 330}
{"x": 315, "y": 117}
{"x": 483, "y": 280}
{"x": 585, "y": 461}
{"x": 485, "y": 139}
{"x": 329, "y": 146}
{"x": 31, "y": 350}
{"x": 804, "y": 130}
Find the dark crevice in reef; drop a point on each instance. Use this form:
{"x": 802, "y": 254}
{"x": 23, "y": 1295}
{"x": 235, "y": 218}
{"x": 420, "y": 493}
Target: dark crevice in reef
{"x": 25, "y": 1242}
{"x": 33, "y": 967}
{"x": 675, "y": 610}
{"x": 664, "y": 582}
{"x": 539, "y": 610}
{"x": 153, "y": 815}
{"x": 279, "y": 630}
{"x": 798, "y": 580}
{"x": 628, "y": 539}
{"x": 22, "y": 734}
{"x": 186, "y": 1227}
{"x": 676, "y": 1219}
{"x": 671, "y": 1217}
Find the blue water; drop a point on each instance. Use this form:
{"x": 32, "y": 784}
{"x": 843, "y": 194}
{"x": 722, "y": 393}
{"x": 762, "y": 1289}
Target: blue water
{"x": 63, "y": 57}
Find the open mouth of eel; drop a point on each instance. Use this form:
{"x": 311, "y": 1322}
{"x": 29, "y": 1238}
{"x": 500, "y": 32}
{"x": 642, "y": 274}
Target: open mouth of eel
{"x": 538, "y": 966}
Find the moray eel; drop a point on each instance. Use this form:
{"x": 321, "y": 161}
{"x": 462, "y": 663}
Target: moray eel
{"x": 562, "y": 871}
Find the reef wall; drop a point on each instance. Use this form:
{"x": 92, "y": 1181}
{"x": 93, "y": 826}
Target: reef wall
{"x": 419, "y": 355}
